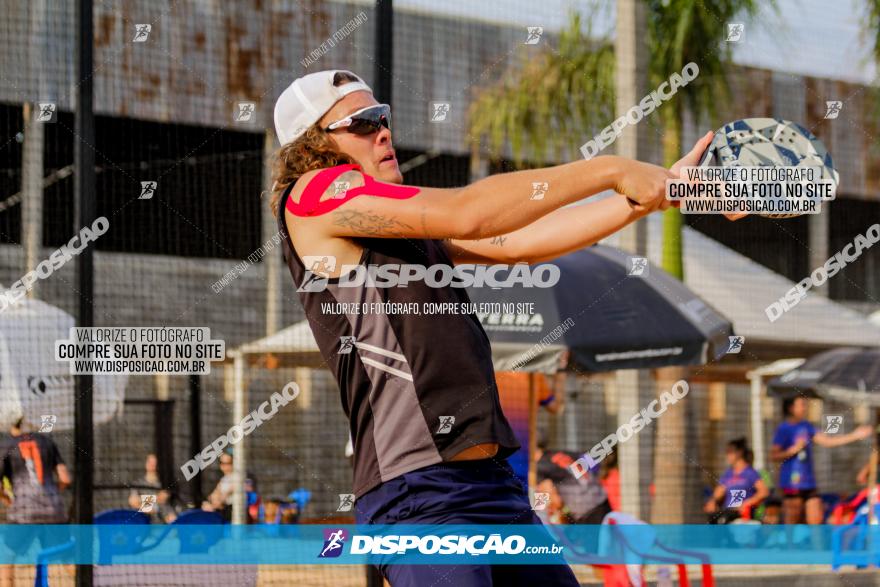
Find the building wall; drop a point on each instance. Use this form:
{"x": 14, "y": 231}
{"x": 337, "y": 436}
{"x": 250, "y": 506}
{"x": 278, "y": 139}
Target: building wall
{"x": 202, "y": 58}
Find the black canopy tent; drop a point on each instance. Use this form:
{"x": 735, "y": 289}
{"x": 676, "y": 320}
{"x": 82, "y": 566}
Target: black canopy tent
{"x": 604, "y": 318}
{"x": 850, "y": 375}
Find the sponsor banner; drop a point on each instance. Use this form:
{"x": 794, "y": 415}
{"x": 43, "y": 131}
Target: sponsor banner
{"x": 749, "y": 543}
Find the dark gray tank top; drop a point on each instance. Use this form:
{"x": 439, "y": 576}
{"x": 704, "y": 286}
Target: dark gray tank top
{"x": 417, "y": 388}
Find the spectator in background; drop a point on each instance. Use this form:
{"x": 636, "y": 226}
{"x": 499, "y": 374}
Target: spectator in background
{"x": 740, "y": 488}
{"x": 554, "y": 510}
{"x": 792, "y": 446}
{"x": 37, "y": 474}
{"x": 582, "y": 500}
{"x": 847, "y": 510}
{"x": 220, "y": 500}
{"x": 253, "y": 499}
{"x": 165, "y": 508}
{"x": 610, "y": 479}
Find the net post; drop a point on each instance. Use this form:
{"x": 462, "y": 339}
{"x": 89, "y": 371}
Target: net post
{"x": 85, "y": 209}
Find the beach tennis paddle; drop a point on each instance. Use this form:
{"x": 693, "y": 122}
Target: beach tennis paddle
{"x": 769, "y": 142}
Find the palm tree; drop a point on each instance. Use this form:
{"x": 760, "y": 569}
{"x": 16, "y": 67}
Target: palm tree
{"x": 542, "y": 105}
{"x": 552, "y": 101}
{"x": 872, "y": 26}
{"x": 559, "y": 97}
{"x": 680, "y": 32}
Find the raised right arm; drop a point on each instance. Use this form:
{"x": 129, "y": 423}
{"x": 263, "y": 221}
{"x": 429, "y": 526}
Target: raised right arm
{"x": 495, "y": 205}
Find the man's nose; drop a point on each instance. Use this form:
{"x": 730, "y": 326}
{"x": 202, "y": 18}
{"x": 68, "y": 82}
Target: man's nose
{"x": 383, "y": 136}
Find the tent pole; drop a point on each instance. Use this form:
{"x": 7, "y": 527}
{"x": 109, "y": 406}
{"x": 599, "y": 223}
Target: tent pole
{"x": 757, "y": 383}
{"x": 239, "y": 455}
{"x": 533, "y": 432}
{"x": 273, "y": 263}
{"x": 628, "y": 385}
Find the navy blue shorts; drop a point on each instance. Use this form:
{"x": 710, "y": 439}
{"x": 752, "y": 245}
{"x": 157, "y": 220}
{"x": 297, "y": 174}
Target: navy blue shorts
{"x": 462, "y": 492}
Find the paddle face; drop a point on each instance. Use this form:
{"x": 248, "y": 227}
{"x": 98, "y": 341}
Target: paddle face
{"x": 768, "y": 142}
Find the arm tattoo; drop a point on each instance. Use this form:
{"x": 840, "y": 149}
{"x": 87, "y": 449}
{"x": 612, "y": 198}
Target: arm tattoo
{"x": 368, "y": 223}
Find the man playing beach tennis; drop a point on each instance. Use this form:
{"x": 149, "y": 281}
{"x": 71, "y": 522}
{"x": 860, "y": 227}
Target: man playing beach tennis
{"x": 430, "y": 439}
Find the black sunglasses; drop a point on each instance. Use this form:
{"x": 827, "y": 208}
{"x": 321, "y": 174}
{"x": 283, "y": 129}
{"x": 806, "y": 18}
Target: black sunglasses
{"x": 365, "y": 121}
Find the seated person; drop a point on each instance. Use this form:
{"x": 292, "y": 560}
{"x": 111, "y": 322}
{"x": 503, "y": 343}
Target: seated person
{"x": 772, "y": 510}
{"x": 554, "y": 510}
{"x": 164, "y": 509}
{"x": 740, "y": 488}
{"x": 220, "y": 500}
{"x": 583, "y": 498}
{"x": 280, "y": 511}
{"x": 254, "y": 502}
{"x": 846, "y": 511}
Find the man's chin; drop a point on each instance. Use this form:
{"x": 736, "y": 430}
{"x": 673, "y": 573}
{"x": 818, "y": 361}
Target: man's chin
{"x": 390, "y": 175}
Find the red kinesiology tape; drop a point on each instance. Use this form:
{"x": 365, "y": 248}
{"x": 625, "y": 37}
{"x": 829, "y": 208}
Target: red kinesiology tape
{"x": 310, "y": 203}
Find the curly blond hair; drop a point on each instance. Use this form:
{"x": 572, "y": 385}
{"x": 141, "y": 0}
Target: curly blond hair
{"x": 313, "y": 150}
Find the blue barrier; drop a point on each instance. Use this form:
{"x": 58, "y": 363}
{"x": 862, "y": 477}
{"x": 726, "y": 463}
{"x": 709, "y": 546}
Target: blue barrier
{"x": 207, "y": 543}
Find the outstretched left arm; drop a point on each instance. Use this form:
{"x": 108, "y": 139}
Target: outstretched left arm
{"x": 564, "y": 230}
{"x": 554, "y": 235}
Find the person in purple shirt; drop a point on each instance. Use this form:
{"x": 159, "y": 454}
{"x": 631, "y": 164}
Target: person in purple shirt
{"x": 792, "y": 446}
{"x": 740, "y": 488}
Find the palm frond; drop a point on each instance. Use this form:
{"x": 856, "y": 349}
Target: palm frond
{"x": 548, "y": 101}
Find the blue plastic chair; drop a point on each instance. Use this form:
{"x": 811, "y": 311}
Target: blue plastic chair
{"x": 856, "y": 535}
{"x": 110, "y": 540}
{"x": 194, "y": 537}
{"x": 301, "y": 496}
